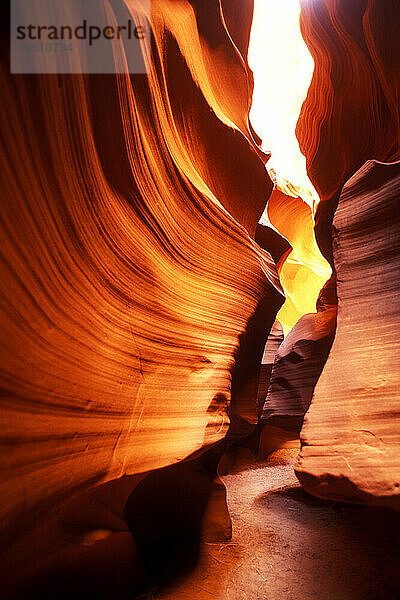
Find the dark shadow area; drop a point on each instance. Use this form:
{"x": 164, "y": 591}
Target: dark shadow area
{"x": 354, "y": 548}
{"x": 150, "y": 528}
{"x": 247, "y": 365}
{"x": 297, "y": 494}
{"x": 166, "y": 514}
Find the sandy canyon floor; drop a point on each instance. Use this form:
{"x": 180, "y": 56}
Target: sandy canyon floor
{"x": 287, "y": 545}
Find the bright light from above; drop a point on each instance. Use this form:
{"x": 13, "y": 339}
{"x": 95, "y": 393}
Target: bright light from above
{"x": 283, "y": 68}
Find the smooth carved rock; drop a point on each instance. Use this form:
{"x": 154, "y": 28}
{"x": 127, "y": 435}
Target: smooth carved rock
{"x": 298, "y": 364}
{"x": 128, "y": 264}
{"x": 271, "y": 240}
{"x": 131, "y": 532}
{"x": 351, "y": 112}
{"x": 172, "y": 509}
{"x": 351, "y": 436}
{"x": 305, "y": 271}
{"x": 275, "y": 339}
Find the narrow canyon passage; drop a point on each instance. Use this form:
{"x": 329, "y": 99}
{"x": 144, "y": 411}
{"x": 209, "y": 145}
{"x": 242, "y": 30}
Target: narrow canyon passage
{"x": 199, "y": 260}
{"x": 289, "y": 545}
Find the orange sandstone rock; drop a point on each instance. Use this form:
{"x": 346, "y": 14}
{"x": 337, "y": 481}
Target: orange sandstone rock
{"x": 351, "y": 436}
{"x": 298, "y": 364}
{"x": 351, "y": 112}
{"x": 128, "y": 264}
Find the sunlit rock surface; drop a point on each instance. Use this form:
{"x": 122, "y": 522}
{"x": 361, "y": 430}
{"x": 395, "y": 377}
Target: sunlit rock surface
{"x": 351, "y": 437}
{"x": 128, "y": 265}
{"x": 305, "y": 271}
{"x": 350, "y": 115}
{"x": 352, "y": 109}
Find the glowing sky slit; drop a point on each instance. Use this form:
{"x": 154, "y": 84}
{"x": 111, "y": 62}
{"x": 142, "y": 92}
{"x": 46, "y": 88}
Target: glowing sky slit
{"x": 283, "y": 68}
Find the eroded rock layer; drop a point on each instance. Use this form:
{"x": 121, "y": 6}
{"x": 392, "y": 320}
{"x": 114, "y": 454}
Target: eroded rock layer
{"x": 352, "y": 109}
{"x": 305, "y": 271}
{"x": 128, "y": 267}
{"x": 298, "y": 364}
{"x": 351, "y": 436}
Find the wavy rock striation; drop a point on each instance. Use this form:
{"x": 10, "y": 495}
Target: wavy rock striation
{"x": 351, "y": 435}
{"x": 352, "y": 109}
{"x": 299, "y": 360}
{"x": 350, "y": 115}
{"x": 298, "y": 364}
{"x": 127, "y": 261}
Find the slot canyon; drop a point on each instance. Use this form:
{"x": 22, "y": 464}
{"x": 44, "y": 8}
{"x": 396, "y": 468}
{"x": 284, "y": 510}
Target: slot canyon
{"x": 200, "y": 295}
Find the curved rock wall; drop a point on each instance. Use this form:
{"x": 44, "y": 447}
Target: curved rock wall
{"x": 351, "y": 115}
{"x": 305, "y": 271}
{"x": 351, "y": 112}
{"x": 128, "y": 267}
{"x": 298, "y": 364}
{"x": 351, "y": 436}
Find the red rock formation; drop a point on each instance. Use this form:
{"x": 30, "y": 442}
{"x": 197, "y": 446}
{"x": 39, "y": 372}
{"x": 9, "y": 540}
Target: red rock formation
{"x": 351, "y": 112}
{"x": 274, "y": 243}
{"x": 305, "y": 271}
{"x": 275, "y": 339}
{"x": 238, "y": 17}
{"x": 351, "y": 436}
{"x": 297, "y": 366}
{"x": 128, "y": 266}
{"x": 298, "y": 363}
